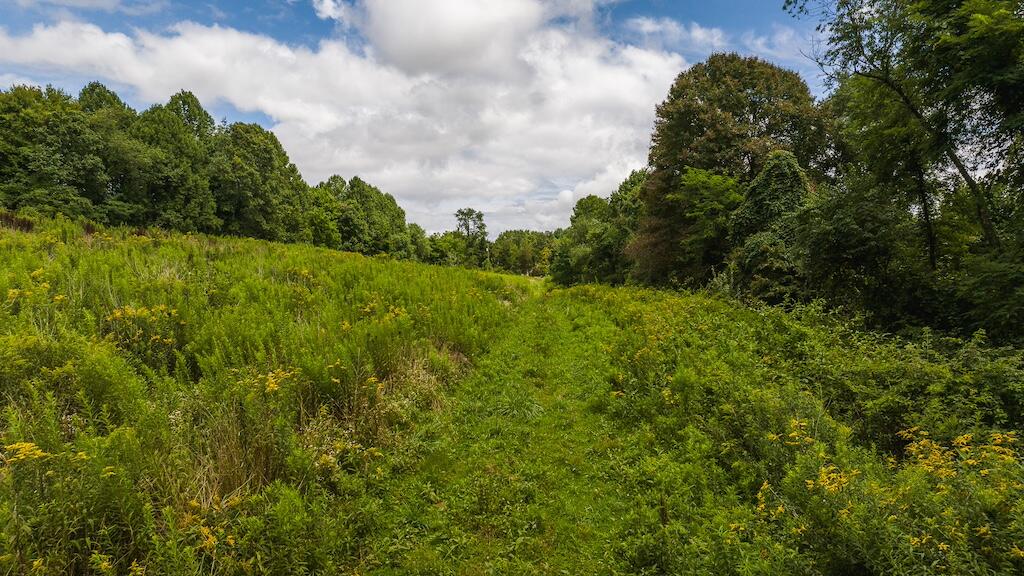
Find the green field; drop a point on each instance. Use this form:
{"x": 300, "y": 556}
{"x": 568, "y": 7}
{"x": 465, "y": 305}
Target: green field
{"x": 181, "y": 404}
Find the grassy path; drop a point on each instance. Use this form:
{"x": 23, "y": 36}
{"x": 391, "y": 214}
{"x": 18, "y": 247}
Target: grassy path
{"x": 516, "y": 475}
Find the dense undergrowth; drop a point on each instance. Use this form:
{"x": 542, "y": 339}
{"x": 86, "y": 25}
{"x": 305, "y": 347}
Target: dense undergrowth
{"x": 179, "y": 404}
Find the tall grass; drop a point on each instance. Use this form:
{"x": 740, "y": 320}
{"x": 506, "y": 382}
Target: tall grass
{"x": 177, "y": 403}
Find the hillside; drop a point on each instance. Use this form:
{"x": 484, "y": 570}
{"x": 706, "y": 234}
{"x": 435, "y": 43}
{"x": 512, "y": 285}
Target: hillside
{"x": 183, "y": 404}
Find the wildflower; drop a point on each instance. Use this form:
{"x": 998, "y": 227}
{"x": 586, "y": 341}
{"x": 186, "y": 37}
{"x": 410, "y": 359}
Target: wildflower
{"x": 618, "y": 393}
{"x": 209, "y": 540}
{"x": 943, "y": 546}
{"x": 983, "y": 531}
{"x": 59, "y": 298}
{"x": 832, "y": 479}
{"x": 25, "y": 451}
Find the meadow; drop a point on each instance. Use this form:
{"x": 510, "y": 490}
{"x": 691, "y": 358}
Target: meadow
{"x": 187, "y": 404}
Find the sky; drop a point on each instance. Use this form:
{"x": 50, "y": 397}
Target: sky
{"x": 517, "y": 108}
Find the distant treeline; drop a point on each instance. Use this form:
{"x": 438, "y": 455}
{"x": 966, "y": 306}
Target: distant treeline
{"x": 172, "y": 166}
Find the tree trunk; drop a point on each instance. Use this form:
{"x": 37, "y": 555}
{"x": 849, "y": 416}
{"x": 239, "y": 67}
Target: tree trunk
{"x": 926, "y": 212}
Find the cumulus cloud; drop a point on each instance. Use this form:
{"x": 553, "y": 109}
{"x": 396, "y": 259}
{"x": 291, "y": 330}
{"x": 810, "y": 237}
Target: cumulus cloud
{"x": 513, "y": 111}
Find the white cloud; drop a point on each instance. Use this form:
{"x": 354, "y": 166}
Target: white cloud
{"x": 7, "y": 80}
{"x": 669, "y": 33}
{"x": 784, "y": 44}
{"x": 334, "y": 10}
{"x": 510, "y": 112}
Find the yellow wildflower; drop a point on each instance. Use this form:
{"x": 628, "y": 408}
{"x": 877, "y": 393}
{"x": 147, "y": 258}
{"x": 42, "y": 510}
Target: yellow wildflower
{"x": 25, "y": 451}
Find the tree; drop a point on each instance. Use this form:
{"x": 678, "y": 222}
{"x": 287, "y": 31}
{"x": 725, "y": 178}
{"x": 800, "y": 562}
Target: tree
{"x": 593, "y": 248}
{"x": 48, "y": 157}
{"x": 177, "y": 191}
{"x": 722, "y": 119}
{"x": 257, "y": 188}
{"x": 777, "y": 191}
{"x": 321, "y": 212}
{"x": 470, "y": 224}
{"x": 883, "y": 41}
{"x": 448, "y": 249}
{"x": 684, "y": 237}
{"x": 419, "y": 243}
{"x": 727, "y": 114}
{"x": 858, "y": 248}
{"x": 762, "y": 228}
{"x": 369, "y": 221}
{"x": 522, "y": 252}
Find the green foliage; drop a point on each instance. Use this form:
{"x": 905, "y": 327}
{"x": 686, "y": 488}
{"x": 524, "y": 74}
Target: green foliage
{"x": 722, "y": 118}
{"x": 727, "y": 114}
{"x": 470, "y": 225}
{"x": 777, "y": 192}
{"x": 257, "y": 189}
{"x": 171, "y": 166}
{"x": 47, "y": 154}
{"x": 593, "y": 248}
{"x": 797, "y": 445}
{"x": 522, "y": 252}
{"x": 180, "y": 404}
{"x": 762, "y": 228}
{"x": 684, "y": 236}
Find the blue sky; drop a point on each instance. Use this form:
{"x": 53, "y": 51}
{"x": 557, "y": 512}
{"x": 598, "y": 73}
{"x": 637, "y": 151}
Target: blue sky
{"x": 517, "y": 107}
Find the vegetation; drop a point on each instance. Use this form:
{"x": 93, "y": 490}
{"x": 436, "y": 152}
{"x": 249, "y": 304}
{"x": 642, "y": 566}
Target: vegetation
{"x": 210, "y": 366}
{"x": 182, "y": 404}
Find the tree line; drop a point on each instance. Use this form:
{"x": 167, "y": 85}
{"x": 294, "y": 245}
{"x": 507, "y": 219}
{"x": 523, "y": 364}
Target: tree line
{"x": 897, "y": 197}
{"x": 173, "y": 167}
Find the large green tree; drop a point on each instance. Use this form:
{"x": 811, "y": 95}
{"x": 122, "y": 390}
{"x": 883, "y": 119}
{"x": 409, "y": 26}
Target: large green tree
{"x": 470, "y": 224}
{"x": 177, "y": 191}
{"x": 904, "y": 48}
{"x": 370, "y": 221}
{"x": 48, "y": 158}
{"x": 684, "y": 237}
{"x": 522, "y": 252}
{"x": 762, "y": 229}
{"x": 721, "y": 120}
{"x": 257, "y": 188}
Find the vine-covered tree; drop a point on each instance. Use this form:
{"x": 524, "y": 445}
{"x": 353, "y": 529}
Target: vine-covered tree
{"x": 721, "y": 120}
